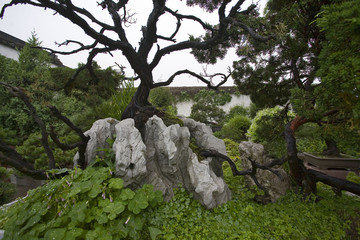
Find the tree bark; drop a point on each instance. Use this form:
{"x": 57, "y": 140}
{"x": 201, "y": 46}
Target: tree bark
{"x": 306, "y": 179}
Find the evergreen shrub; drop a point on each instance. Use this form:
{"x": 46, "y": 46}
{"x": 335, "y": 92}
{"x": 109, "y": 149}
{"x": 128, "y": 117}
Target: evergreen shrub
{"x": 7, "y": 189}
{"x": 236, "y": 128}
{"x": 267, "y": 128}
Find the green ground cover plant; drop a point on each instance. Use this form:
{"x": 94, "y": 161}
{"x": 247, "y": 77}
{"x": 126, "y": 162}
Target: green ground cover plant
{"x": 242, "y": 218}
{"x": 92, "y": 204}
{"x": 89, "y": 204}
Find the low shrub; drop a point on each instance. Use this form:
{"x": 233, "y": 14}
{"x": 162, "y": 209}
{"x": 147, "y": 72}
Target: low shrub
{"x": 161, "y": 97}
{"x": 267, "y": 128}
{"x": 89, "y": 204}
{"x": 33, "y": 151}
{"x": 237, "y": 110}
{"x": 236, "y": 128}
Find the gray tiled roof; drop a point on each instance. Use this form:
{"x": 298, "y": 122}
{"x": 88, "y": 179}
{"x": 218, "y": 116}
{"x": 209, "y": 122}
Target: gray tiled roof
{"x": 18, "y": 44}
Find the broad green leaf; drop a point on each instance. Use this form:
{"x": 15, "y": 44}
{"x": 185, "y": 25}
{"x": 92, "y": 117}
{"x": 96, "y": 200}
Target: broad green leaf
{"x": 31, "y": 222}
{"x": 95, "y": 191}
{"x": 55, "y": 234}
{"x": 154, "y": 232}
{"x": 116, "y": 183}
{"x": 73, "y": 233}
{"x": 99, "y": 233}
{"x": 137, "y": 203}
{"x": 75, "y": 189}
{"x": 127, "y": 194}
{"x": 77, "y": 213}
{"x": 102, "y": 218}
{"x": 114, "y": 207}
{"x": 85, "y": 186}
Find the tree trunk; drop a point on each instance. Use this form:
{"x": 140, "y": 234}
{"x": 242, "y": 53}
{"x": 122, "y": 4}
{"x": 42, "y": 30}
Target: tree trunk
{"x": 298, "y": 172}
{"x": 305, "y": 178}
{"x": 138, "y": 102}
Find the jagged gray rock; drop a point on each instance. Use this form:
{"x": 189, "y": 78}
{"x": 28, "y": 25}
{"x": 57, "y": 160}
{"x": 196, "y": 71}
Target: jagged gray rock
{"x": 206, "y": 140}
{"x": 171, "y": 161}
{"x": 275, "y": 186}
{"x": 163, "y": 158}
{"x": 100, "y": 131}
{"x": 129, "y": 149}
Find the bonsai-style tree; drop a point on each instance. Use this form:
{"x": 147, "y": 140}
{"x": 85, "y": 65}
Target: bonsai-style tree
{"x": 233, "y": 21}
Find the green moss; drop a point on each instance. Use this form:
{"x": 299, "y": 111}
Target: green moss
{"x": 171, "y": 119}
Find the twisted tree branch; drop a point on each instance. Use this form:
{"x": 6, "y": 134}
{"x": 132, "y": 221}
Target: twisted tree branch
{"x": 252, "y": 171}
{"x": 17, "y": 92}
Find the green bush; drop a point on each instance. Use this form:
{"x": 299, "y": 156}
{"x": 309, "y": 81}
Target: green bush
{"x": 267, "y": 128}
{"x": 236, "y": 128}
{"x": 161, "y": 97}
{"x": 33, "y": 151}
{"x": 253, "y": 109}
{"x": 352, "y": 177}
{"x": 237, "y": 110}
{"x": 184, "y": 97}
{"x": 89, "y": 204}
{"x": 7, "y": 189}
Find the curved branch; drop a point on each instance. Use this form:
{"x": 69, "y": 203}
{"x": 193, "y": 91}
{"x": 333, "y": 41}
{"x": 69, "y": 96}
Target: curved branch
{"x": 81, "y": 145}
{"x": 252, "y": 171}
{"x": 9, "y": 156}
{"x": 88, "y": 66}
{"x": 17, "y": 92}
{"x": 82, "y": 47}
{"x": 70, "y": 12}
{"x": 189, "y": 17}
{"x": 112, "y": 9}
{"x": 217, "y": 36}
{"x": 340, "y": 184}
{"x": 182, "y": 46}
{"x": 201, "y": 78}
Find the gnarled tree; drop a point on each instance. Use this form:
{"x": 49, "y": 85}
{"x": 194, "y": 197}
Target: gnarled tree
{"x": 230, "y": 16}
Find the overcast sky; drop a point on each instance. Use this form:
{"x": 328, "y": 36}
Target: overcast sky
{"x": 21, "y": 20}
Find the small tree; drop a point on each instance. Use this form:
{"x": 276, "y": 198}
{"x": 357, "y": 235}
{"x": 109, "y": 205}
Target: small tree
{"x": 207, "y": 104}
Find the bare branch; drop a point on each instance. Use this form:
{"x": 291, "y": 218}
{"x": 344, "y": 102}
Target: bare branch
{"x": 200, "y": 77}
{"x": 9, "y": 156}
{"x": 249, "y": 30}
{"x": 189, "y": 17}
{"x": 81, "y": 145}
{"x": 252, "y": 171}
{"x": 88, "y": 66}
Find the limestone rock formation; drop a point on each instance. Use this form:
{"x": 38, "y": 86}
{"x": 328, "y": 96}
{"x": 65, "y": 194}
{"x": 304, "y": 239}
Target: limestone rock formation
{"x": 129, "y": 149}
{"x": 275, "y": 186}
{"x": 163, "y": 158}
{"x": 206, "y": 140}
{"x": 100, "y": 131}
